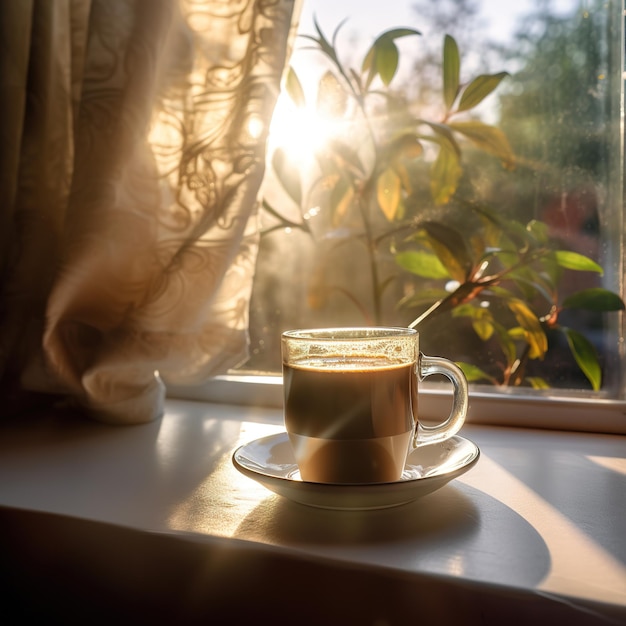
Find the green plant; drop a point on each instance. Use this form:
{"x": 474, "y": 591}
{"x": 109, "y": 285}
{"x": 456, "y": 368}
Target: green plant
{"x": 400, "y": 185}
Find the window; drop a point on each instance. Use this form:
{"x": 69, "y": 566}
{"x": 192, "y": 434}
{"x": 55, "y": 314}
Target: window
{"x": 528, "y": 137}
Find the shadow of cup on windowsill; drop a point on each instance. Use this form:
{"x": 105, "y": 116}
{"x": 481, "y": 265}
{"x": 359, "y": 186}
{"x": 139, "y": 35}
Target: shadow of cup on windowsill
{"x": 457, "y": 530}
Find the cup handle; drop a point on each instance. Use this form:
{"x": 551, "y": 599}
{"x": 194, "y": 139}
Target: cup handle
{"x": 427, "y": 366}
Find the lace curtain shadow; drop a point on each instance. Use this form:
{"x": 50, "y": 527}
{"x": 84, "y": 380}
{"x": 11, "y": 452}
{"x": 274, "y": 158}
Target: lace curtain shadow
{"x": 133, "y": 150}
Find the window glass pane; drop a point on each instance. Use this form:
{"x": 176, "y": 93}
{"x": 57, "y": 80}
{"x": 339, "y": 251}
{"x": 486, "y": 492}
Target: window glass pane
{"x": 469, "y": 175}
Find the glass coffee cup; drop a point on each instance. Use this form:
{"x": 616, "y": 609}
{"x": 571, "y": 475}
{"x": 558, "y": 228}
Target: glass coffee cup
{"x": 351, "y": 401}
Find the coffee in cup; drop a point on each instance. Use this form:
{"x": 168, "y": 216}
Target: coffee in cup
{"x": 351, "y": 401}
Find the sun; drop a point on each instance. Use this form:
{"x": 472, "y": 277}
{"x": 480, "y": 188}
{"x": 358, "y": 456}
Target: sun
{"x": 299, "y": 131}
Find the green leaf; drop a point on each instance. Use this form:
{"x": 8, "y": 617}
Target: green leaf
{"x": 294, "y": 88}
{"x": 517, "y": 333}
{"x": 575, "y": 261}
{"x": 517, "y": 233}
{"x": 451, "y": 70}
{"x": 467, "y": 310}
{"x": 539, "y": 230}
{"x": 405, "y": 145}
{"x": 537, "y": 382}
{"x": 380, "y": 57}
{"x": 332, "y": 99}
{"x": 449, "y": 245}
{"x": 390, "y": 35}
{"x": 422, "y": 263}
{"x": 341, "y": 198}
{"x": 482, "y": 319}
{"x": 594, "y": 299}
{"x": 322, "y": 42}
{"x": 473, "y": 372}
{"x": 483, "y": 328}
{"x": 551, "y": 271}
{"x": 369, "y": 65}
{"x": 534, "y": 334}
{"x": 506, "y": 343}
{"x": 530, "y": 283}
{"x": 405, "y": 177}
{"x": 387, "y": 57}
{"x": 445, "y": 174}
{"x": 397, "y": 33}
{"x": 479, "y": 89}
{"x": 507, "y": 258}
{"x": 487, "y": 138}
{"x": 389, "y": 193}
{"x": 443, "y": 136}
{"x": 345, "y": 155}
{"x": 501, "y": 292}
{"x": 585, "y": 355}
{"x": 288, "y": 175}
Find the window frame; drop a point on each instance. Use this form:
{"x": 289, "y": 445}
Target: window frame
{"x": 570, "y": 409}
{"x": 580, "y": 412}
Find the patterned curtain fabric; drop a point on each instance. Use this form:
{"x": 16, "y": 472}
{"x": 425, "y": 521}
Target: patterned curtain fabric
{"x": 132, "y": 150}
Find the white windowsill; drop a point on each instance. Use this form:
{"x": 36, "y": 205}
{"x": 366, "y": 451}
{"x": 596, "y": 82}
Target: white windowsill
{"x": 582, "y": 412}
{"x": 154, "y": 521}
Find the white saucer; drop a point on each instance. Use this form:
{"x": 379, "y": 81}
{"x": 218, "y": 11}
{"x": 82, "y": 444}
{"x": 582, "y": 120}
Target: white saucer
{"x": 270, "y": 461}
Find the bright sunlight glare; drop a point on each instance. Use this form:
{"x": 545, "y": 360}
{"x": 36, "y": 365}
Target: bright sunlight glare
{"x": 300, "y": 132}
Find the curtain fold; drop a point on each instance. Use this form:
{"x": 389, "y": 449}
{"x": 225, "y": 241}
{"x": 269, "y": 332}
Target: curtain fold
{"x": 133, "y": 151}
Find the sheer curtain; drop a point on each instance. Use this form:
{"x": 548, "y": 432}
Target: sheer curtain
{"x": 132, "y": 150}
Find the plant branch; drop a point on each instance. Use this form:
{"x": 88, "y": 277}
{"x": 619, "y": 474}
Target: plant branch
{"x": 284, "y": 222}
